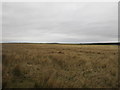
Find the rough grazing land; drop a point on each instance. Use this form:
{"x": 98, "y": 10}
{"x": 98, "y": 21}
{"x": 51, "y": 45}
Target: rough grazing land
{"x": 59, "y": 66}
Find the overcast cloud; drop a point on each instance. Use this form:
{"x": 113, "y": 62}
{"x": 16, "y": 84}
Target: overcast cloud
{"x": 60, "y": 21}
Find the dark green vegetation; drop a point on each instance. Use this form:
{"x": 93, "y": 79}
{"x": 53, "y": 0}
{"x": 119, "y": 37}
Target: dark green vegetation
{"x": 59, "y": 66}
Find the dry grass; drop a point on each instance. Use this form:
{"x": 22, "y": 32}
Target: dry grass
{"x": 59, "y": 66}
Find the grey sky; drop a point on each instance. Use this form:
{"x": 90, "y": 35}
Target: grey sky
{"x": 60, "y": 21}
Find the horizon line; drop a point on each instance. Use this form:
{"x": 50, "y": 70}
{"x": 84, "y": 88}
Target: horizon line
{"x": 59, "y": 42}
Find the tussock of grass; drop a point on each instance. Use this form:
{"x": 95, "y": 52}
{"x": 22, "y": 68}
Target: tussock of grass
{"x": 59, "y": 66}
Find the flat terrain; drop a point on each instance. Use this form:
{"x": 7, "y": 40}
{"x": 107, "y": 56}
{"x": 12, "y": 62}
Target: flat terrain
{"x": 55, "y": 66}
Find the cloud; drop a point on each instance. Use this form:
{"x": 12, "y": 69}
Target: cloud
{"x": 60, "y": 21}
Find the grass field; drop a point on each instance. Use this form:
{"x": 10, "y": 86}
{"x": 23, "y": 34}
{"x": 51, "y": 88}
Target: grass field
{"x": 59, "y": 66}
